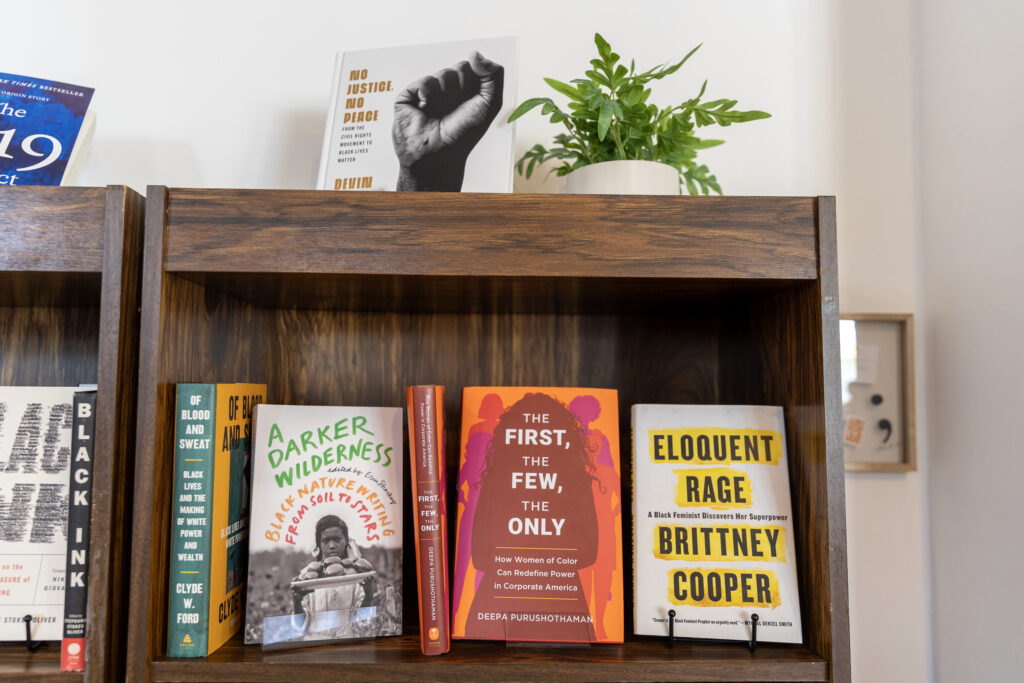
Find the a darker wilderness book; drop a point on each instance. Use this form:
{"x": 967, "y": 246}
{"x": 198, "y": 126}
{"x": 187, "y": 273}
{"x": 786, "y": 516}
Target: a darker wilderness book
{"x": 539, "y": 534}
{"x": 325, "y": 554}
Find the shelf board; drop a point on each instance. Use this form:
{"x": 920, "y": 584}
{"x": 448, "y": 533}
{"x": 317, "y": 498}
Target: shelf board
{"x": 400, "y": 659}
{"x": 41, "y": 665}
{"x": 52, "y": 229}
{"x": 500, "y": 235}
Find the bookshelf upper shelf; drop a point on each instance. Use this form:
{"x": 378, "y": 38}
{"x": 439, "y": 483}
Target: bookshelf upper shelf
{"x": 490, "y": 235}
{"x": 52, "y": 229}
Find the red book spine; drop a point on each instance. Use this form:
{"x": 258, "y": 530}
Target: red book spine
{"x": 426, "y": 450}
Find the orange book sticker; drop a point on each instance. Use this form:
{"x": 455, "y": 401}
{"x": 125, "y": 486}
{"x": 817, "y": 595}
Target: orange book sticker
{"x": 854, "y": 431}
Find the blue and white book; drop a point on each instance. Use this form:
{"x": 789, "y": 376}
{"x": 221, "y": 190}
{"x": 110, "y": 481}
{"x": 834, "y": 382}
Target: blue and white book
{"x": 45, "y": 129}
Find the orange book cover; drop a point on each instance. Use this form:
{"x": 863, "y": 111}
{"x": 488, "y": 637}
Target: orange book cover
{"x": 538, "y": 551}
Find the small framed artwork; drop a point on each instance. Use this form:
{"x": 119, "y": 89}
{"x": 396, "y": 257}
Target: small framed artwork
{"x": 877, "y": 357}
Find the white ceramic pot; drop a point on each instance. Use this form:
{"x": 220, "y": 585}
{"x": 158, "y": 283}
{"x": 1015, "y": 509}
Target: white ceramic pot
{"x": 624, "y": 177}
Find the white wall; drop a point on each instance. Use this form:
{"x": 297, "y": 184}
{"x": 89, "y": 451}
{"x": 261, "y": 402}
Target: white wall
{"x": 234, "y": 94}
{"x": 972, "y": 169}
{"x": 225, "y": 93}
{"x": 887, "y": 523}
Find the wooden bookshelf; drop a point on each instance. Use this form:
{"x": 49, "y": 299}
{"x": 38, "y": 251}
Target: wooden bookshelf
{"x": 69, "y": 294}
{"x": 347, "y": 298}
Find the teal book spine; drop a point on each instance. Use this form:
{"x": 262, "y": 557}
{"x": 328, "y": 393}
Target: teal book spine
{"x": 191, "y": 521}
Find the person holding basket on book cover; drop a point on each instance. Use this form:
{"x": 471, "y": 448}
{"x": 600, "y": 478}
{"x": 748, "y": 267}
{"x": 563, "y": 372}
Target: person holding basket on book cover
{"x": 334, "y": 554}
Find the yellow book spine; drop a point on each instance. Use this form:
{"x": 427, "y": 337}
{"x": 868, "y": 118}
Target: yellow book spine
{"x": 229, "y": 551}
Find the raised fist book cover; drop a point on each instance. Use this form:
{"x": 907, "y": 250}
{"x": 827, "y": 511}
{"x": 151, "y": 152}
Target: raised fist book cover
{"x": 325, "y": 553}
{"x": 43, "y": 129}
{"x": 35, "y": 459}
{"x": 422, "y": 118}
{"x": 712, "y": 523}
{"x": 539, "y": 533}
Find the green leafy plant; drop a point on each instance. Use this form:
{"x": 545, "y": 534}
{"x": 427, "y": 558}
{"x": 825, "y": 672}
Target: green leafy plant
{"x": 609, "y": 118}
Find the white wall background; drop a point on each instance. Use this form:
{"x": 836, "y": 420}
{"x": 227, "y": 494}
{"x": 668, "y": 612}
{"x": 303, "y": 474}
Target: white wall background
{"x": 885, "y": 104}
{"x": 229, "y": 93}
{"x": 972, "y": 114}
{"x": 887, "y": 523}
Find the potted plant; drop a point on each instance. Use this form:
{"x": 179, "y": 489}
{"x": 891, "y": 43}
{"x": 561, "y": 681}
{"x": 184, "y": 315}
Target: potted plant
{"x": 611, "y": 127}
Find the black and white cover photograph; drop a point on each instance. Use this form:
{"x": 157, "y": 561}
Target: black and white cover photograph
{"x": 422, "y": 118}
{"x": 325, "y": 548}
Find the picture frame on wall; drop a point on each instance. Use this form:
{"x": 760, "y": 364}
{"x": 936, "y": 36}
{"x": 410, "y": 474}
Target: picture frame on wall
{"x": 877, "y": 358}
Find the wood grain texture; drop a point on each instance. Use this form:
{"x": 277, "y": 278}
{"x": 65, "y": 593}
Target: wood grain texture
{"x": 399, "y": 659}
{"x": 799, "y": 344}
{"x": 346, "y": 298}
{"x": 187, "y": 334}
{"x": 49, "y": 289}
{"x": 439, "y": 234}
{"x": 318, "y": 357}
{"x": 41, "y": 666}
{"x": 69, "y": 314}
{"x": 835, "y": 484}
{"x": 204, "y": 336}
{"x": 48, "y": 346}
{"x": 149, "y": 432}
{"x": 117, "y": 380}
{"x": 789, "y": 334}
{"x": 56, "y": 229}
{"x": 470, "y": 294}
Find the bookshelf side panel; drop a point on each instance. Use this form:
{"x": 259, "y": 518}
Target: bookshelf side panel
{"x": 117, "y": 379}
{"x": 797, "y": 333}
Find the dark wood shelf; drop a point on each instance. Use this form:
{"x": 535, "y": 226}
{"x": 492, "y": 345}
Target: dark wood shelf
{"x": 490, "y": 235}
{"x": 38, "y": 667}
{"x": 54, "y": 229}
{"x": 347, "y": 298}
{"x": 400, "y": 659}
{"x": 69, "y": 296}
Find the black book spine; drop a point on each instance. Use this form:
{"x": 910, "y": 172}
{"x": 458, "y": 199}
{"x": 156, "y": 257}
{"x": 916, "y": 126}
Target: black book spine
{"x": 76, "y": 576}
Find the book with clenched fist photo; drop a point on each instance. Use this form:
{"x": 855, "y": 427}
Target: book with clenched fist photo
{"x": 428, "y": 118}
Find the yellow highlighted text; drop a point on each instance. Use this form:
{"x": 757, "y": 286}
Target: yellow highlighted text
{"x": 715, "y": 446}
{"x": 723, "y": 588}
